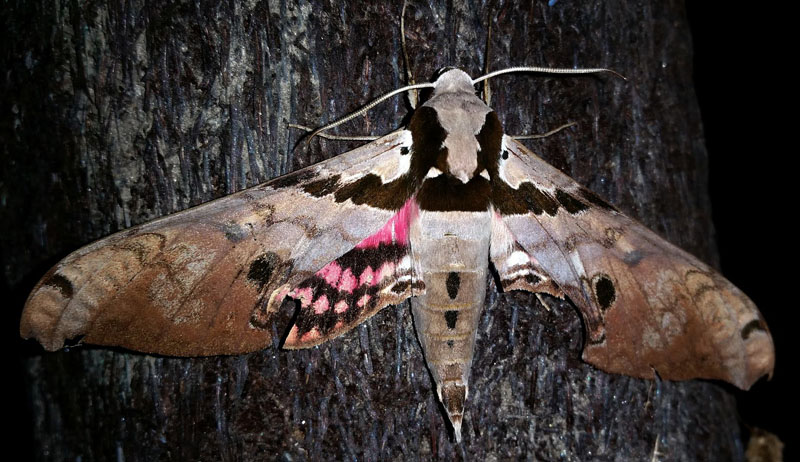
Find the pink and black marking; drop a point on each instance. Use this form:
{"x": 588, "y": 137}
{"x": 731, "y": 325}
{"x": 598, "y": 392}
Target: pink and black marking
{"x": 375, "y": 273}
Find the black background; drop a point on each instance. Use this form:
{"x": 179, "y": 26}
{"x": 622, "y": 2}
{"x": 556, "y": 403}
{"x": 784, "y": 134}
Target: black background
{"x": 742, "y": 86}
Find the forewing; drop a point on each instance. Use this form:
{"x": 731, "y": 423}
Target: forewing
{"x": 648, "y": 305}
{"x": 207, "y": 280}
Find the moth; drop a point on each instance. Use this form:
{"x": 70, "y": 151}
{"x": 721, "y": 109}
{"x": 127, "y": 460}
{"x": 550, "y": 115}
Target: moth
{"x": 424, "y": 213}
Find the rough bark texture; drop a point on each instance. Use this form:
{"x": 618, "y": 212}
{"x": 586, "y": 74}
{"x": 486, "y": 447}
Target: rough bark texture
{"x": 122, "y": 113}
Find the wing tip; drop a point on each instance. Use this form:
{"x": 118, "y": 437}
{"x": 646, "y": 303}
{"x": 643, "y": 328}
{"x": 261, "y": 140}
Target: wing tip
{"x": 759, "y": 361}
{"x": 38, "y": 322}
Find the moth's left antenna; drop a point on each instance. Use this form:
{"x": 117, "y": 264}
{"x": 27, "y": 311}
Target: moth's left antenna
{"x": 547, "y": 70}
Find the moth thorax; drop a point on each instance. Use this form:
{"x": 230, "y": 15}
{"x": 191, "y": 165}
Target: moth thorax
{"x": 462, "y": 156}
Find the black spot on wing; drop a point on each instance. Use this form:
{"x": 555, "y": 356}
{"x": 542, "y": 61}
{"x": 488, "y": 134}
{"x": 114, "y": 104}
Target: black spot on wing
{"x": 453, "y": 283}
{"x": 446, "y": 193}
{"x": 528, "y": 198}
{"x": 61, "y": 283}
{"x": 371, "y": 190}
{"x": 404, "y": 150}
{"x": 269, "y": 269}
{"x": 507, "y": 200}
{"x": 752, "y": 326}
{"x": 401, "y": 287}
{"x": 322, "y": 187}
{"x": 291, "y": 180}
{"x": 451, "y": 318}
{"x": 570, "y": 203}
{"x": 539, "y": 201}
{"x": 262, "y": 268}
{"x": 604, "y": 291}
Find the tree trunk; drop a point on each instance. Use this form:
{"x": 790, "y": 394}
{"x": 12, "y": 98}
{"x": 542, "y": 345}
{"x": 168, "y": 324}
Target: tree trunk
{"x": 126, "y": 112}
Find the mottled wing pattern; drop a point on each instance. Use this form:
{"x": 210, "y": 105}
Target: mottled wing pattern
{"x": 647, "y": 304}
{"x": 208, "y": 280}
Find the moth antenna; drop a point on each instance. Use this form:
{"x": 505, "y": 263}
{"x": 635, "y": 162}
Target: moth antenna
{"x": 412, "y": 96}
{"x": 547, "y": 70}
{"x": 336, "y": 137}
{"x": 487, "y": 91}
{"x": 544, "y": 135}
{"x": 366, "y": 108}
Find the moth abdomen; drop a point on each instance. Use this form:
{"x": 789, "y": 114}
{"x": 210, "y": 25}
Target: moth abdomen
{"x": 446, "y": 327}
{"x": 450, "y": 251}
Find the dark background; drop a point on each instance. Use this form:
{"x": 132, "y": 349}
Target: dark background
{"x": 742, "y": 86}
{"x": 744, "y": 99}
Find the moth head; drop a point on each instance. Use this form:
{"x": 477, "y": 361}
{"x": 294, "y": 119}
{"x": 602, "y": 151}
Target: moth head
{"x": 452, "y": 80}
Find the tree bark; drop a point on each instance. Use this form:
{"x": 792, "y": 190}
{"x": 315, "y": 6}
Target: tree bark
{"x": 125, "y": 112}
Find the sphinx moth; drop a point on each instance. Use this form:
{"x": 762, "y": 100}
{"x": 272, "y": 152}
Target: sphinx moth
{"x": 424, "y": 213}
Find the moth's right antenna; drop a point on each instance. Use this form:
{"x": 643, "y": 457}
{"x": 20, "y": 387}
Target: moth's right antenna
{"x": 366, "y": 108}
{"x": 412, "y": 96}
{"x": 487, "y": 91}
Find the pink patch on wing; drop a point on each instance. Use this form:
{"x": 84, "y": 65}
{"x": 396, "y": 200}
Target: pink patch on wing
{"x": 330, "y": 273}
{"x": 395, "y": 230}
{"x": 310, "y": 336}
{"x": 367, "y": 277}
{"x": 363, "y": 301}
{"x": 347, "y": 282}
{"x": 321, "y": 305}
{"x": 340, "y": 307}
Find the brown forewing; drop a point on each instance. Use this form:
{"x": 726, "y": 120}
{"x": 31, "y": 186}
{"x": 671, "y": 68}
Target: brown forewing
{"x": 200, "y": 282}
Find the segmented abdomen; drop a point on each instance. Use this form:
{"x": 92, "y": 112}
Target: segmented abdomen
{"x": 450, "y": 252}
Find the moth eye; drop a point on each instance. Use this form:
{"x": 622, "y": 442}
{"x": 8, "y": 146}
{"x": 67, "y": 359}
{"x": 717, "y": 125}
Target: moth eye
{"x": 604, "y": 290}
{"x": 404, "y": 150}
{"x": 505, "y": 154}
